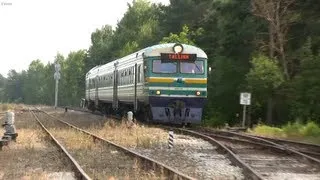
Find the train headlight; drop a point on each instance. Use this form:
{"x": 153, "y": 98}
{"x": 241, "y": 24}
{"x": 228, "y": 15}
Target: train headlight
{"x": 158, "y": 92}
{"x": 198, "y": 93}
{"x": 178, "y": 48}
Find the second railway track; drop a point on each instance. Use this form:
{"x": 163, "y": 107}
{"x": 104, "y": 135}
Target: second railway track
{"x": 269, "y": 160}
{"x": 305, "y": 148}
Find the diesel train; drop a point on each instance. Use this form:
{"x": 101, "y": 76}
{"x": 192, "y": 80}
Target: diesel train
{"x": 167, "y": 83}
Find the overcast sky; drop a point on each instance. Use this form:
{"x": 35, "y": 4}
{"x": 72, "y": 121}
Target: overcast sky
{"x": 38, "y": 29}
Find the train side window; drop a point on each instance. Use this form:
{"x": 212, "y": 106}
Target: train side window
{"x": 125, "y": 77}
{"x": 128, "y": 76}
{"x": 132, "y": 75}
{"x": 138, "y": 73}
{"x": 141, "y": 73}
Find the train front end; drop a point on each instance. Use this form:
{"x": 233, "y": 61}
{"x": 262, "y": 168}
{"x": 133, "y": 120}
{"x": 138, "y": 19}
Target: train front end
{"x": 176, "y": 83}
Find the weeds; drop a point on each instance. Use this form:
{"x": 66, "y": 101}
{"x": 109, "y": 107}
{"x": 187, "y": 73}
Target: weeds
{"x": 268, "y": 131}
{"x": 6, "y": 107}
{"x": 131, "y": 135}
{"x": 309, "y": 132}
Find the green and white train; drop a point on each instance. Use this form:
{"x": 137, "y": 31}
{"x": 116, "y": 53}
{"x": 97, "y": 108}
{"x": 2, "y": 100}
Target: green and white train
{"x": 165, "y": 82}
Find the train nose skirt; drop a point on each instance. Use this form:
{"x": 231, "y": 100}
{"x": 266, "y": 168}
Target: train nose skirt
{"x": 177, "y": 115}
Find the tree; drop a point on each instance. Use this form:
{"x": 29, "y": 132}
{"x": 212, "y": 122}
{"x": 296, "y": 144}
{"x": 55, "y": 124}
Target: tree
{"x": 264, "y": 78}
{"x": 279, "y": 16}
{"x": 2, "y": 86}
{"x": 73, "y": 78}
{"x": 101, "y": 49}
{"x": 229, "y": 31}
{"x": 138, "y": 28}
{"x": 35, "y": 83}
{"x": 13, "y": 88}
{"x": 304, "y": 89}
{"x": 2, "y": 81}
{"x": 183, "y": 37}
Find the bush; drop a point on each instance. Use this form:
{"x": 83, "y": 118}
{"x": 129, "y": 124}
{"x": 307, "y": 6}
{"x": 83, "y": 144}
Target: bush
{"x": 292, "y": 129}
{"x": 268, "y": 131}
{"x": 311, "y": 130}
{"x": 6, "y": 107}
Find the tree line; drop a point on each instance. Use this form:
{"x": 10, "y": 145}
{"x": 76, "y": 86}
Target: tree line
{"x": 267, "y": 47}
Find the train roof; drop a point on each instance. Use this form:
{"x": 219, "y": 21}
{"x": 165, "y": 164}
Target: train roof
{"x": 167, "y": 48}
{"x": 152, "y": 51}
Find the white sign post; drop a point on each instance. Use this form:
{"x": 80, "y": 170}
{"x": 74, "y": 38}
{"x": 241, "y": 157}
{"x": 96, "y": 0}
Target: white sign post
{"x": 245, "y": 99}
{"x": 56, "y": 76}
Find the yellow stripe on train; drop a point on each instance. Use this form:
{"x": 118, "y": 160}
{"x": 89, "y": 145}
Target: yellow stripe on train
{"x": 195, "y": 80}
{"x": 160, "y": 80}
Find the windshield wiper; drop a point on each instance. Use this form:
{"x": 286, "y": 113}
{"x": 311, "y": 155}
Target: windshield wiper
{"x": 197, "y": 67}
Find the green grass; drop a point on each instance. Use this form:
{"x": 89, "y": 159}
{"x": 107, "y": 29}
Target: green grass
{"x": 309, "y": 132}
{"x": 265, "y": 130}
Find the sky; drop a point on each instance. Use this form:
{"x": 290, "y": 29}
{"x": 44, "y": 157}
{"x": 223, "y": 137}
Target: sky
{"x": 39, "y": 29}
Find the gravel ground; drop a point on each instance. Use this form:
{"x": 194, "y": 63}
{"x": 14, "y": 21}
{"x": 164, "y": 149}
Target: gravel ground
{"x": 32, "y": 156}
{"x": 195, "y": 157}
{"x": 192, "y": 156}
{"x": 274, "y": 165}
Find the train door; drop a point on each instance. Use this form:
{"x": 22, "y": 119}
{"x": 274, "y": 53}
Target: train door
{"x": 115, "y": 103}
{"x": 96, "y": 95}
{"x": 136, "y": 74}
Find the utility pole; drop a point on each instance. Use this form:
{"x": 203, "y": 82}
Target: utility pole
{"x": 56, "y": 77}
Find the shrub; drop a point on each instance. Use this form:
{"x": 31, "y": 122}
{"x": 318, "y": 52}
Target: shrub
{"x": 268, "y": 131}
{"x": 292, "y": 129}
{"x": 310, "y": 129}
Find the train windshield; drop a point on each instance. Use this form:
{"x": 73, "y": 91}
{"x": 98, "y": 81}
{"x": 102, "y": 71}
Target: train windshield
{"x": 195, "y": 67}
{"x": 164, "y": 67}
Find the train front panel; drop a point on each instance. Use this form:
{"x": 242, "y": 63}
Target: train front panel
{"x": 176, "y": 84}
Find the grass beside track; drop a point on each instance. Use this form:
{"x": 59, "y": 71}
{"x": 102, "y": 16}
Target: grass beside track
{"x": 118, "y": 131}
{"x": 309, "y": 132}
{"x": 97, "y": 159}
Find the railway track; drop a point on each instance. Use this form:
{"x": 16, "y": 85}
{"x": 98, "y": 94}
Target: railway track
{"x": 308, "y": 151}
{"x": 79, "y": 172}
{"x": 261, "y": 159}
{"x": 120, "y": 153}
{"x": 268, "y": 159}
{"x": 312, "y": 150}
{"x": 199, "y": 160}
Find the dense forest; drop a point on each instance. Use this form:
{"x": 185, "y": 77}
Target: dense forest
{"x": 267, "y": 47}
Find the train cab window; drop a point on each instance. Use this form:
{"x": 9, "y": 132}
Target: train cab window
{"x": 164, "y": 67}
{"x": 195, "y": 67}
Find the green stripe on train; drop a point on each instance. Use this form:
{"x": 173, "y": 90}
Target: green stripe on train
{"x": 177, "y": 92}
